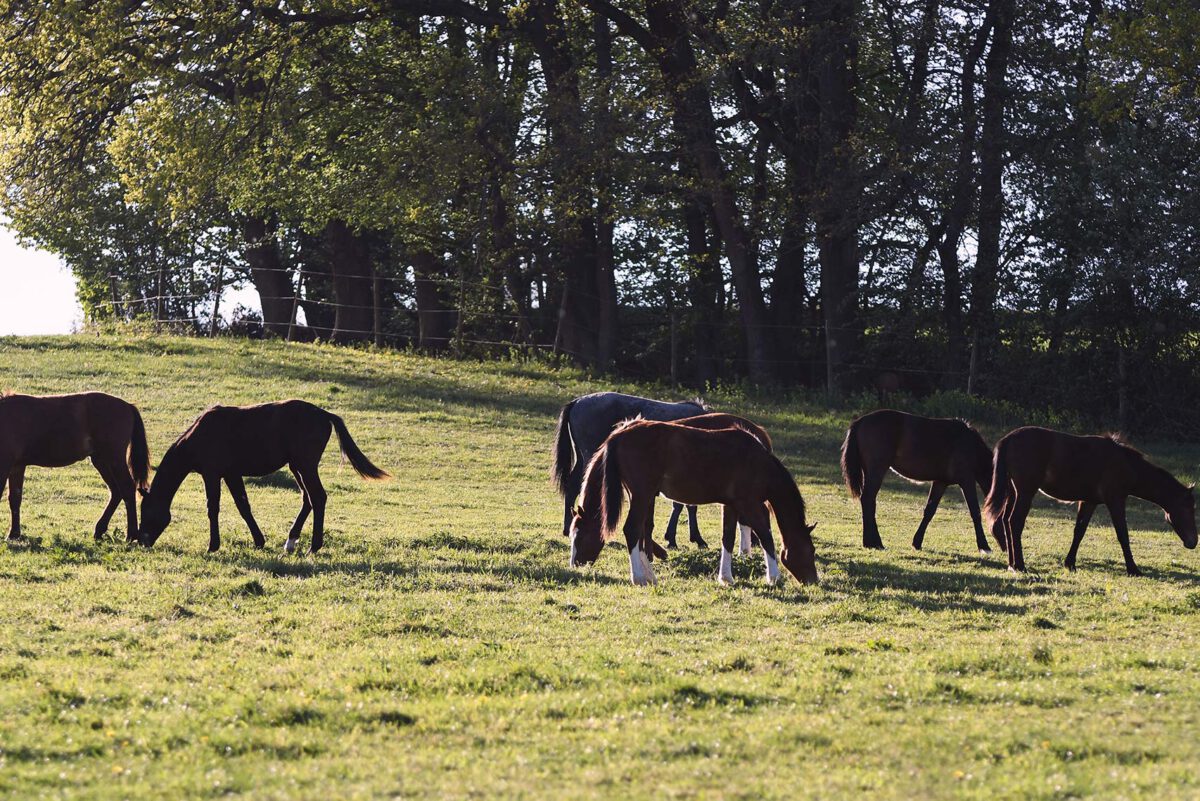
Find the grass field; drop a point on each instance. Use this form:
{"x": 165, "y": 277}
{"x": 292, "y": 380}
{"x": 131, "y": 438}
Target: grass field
{"x": 440, "y": 647}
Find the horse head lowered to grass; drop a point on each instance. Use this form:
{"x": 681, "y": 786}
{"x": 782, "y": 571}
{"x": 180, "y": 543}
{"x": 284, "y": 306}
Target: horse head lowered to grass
{"x": 229, "y": 442}
{"x": 729, "y": 466}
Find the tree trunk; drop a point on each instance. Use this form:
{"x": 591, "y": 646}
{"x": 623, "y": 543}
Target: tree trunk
{"x": 985, "y": 278}
{"x": 839, "y": 183}
{"x": 350, "y": 261}
{"x": 606, "y": 276}
{"x": 271, "y": 276}
{"x": 435, "y": 317}
{"x": 694, "y": 120}
{"x": 704, "y": 279}
{"x": 575, "y": 230}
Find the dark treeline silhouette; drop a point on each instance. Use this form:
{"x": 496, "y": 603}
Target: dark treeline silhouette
{"x": 917, "y": 195}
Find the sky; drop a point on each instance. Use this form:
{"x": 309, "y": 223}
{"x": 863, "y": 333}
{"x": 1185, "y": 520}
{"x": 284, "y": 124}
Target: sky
{"x": 37, "y": 293}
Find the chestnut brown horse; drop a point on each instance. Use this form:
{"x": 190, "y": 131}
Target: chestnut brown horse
{"x": 58, "y": 430}
{"x": 229, "y": 442}
{"x": 1088, "y": 471}
{"x": 694, "y": 466}
{"x": 941, "y": 451}
{"x": 586, "y": 517}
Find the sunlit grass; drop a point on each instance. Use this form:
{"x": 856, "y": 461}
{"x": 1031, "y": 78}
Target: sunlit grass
{"x": 440, "y": 647}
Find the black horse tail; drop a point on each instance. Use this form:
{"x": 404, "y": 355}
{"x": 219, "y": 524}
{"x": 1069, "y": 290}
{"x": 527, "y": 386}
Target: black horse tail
{"x": 612, "y": 493}
{"x": 1001, "y": 489}
{"x": 563, "y": 452}
{"x": 852, "y": 467}
{"x": 358, "y": 460}
{"x": 139, "y": 453}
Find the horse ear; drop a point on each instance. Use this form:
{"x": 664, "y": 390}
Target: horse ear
{"x": 811, "y": 528}
{"x": 145, "y": 493}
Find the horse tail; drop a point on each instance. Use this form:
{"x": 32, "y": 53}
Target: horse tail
{"x": 852, "y": 466}
{"x": 613, "y": 494}
{"x": 1001, "y": 489}
{"x": 358, "y": 460}
{"x": 139, "y": 452}
{"x": 563, "y": 451}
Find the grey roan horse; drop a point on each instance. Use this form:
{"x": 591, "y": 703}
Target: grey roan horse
{"x": 584, "y": 424}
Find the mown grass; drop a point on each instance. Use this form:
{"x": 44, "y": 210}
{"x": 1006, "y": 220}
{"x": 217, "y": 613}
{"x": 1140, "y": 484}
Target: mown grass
{"x": 440, "y": 646}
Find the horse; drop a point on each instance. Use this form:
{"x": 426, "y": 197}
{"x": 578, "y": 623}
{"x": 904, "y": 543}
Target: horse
{"x": 1088, "y": 471}
{"x": 229, "y": 442}
{"x": 586, "y": 516}
{"x": 727, "y": 466}
{"x": 584, "y": 423}
{"x": 941, "y": 451}
{"x": 58, "y": 430}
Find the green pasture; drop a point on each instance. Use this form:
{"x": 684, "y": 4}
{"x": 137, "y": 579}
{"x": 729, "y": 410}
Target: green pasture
{"x": 440, "y": 647}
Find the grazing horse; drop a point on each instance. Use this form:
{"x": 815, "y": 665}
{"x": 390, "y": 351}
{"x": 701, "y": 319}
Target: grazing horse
{"x": 941, "y": 451}
{"x": 728, "y": 466}
{"x": 229, "y": 442}
{"x": 58, "y": 430}
{"x": 583, "y": 425}
{"x": 586, "y": 517}
{"x": 1088, "y": 471}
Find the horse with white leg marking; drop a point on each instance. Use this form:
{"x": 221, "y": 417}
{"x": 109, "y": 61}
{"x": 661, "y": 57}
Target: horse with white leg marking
{"x": 584, "y": 424}
{"x": 727, "y": 466}
{"x": 587, "y": 513}
{"x": 1088, "y": 471}
{"x": 229, "y": 442}
{"x": 58, "y": 430}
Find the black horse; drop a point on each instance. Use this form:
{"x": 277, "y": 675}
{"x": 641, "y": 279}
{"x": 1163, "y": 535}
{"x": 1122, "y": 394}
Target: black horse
{"x": 584, "y": 424}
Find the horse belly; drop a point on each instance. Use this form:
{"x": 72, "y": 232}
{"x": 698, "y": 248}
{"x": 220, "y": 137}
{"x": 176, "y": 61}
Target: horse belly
{"x": 57, "y": 451}
{"x": 1065, "y": 490}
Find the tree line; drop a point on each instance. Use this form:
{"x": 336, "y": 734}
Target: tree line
{"x": 978, "y": 195}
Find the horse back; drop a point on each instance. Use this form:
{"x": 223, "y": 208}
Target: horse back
{"x": 57, "y": 430}
{"x": 257, "y": 440}
{"x": 593, "y": 417}
{"x": 1069, "y": 467}
{"x": 919, "y": 448}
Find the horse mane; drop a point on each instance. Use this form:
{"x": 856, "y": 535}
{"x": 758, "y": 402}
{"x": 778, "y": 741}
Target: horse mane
{"x": 6, "y": 393}
{"x": 627, "y": 423}
{"x": 698, "y": 401}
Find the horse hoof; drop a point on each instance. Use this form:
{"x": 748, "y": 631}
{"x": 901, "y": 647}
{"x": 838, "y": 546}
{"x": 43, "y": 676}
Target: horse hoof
{"x": 289, "y": 547}
{"x": 1134, "y": 572}
{"x": 916, "y": 546}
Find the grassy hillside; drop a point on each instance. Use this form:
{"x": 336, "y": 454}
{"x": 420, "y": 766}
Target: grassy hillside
{"x": 440, "y": 647}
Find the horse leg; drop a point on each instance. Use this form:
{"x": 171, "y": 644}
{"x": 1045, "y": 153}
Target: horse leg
{"x": 114, "y": 498}
{"x": 728, "y": 539}
{"x": 127, "y": 490}
{"x": 760, "y": 521}
{"x": 746, "y": 532}
{"x": 212, "y": 489}
{"x": 317, "y": 497}
{"x": 237, "y": 488}
{"x": 1082, "y": 518}
{"x": 16, "y": 486}
{"x": 1019, "y": 511}
{"x": 3, "y": 481}
{"x": 972, "y": 501}
{"x": 669, "y": 536}
{"x": 870, "y": 490}
{"x": 694, "y": 528}
{"x": 293, "y": 537}
{"x": 640, "y": 572}
{"x": 1116, "y": 510}
{"x": 936, "y": 490}
{"x": 574, "y": 485}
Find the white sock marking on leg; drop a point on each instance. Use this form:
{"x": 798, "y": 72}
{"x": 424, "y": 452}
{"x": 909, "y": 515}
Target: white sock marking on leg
{"x": 637, "y": 566}
{"x": 572, "y": 560}
{"x": 650, "y": 577}
{"x": 772, "y": 568}
{"x": 745, "y": 538}
{"x": 290, "y": 546}
{"x": 725, "y": 570}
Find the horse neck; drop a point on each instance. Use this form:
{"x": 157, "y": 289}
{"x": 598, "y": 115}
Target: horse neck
{"x": 590, "y": 502}
{"x": 786, "y": 502}
{"x": 1154, "y": 484}
{"x": 171, "y": 472}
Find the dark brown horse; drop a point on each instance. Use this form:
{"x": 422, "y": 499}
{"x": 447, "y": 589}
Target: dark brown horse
{"x": 229, "y": 442}
{"x": 1088, "y": 471}
{"x": 941, "y": 451}
{"x": 694, "y": 466}
{"x": 586, "y": 517}
{"x": 58, "y": 430}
